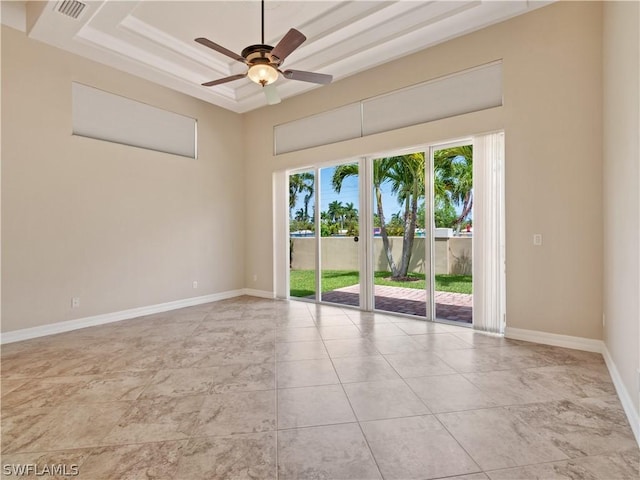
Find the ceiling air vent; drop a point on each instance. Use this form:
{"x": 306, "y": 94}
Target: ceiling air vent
{"x": 71, "y": 8}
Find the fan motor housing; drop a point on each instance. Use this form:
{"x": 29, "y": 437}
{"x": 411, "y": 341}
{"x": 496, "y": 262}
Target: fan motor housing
{"x": 259, "y": 54}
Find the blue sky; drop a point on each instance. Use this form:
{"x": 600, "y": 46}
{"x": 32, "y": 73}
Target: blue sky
{"x": 348, "y": 194}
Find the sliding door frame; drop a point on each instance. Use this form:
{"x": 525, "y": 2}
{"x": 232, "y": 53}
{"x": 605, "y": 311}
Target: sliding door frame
{"x": 365, "y": 172}
{"x": 368, "y": 160}
{"x": 432, "y": 148}
{"x": 361, "y": 247}
{"x": 366, "y": 210}
{"x": 363, "y": 242}
{"x": 284, "y": 185}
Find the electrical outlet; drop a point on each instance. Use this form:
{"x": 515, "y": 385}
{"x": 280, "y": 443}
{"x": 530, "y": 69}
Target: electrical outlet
{"x": 537, "y": 239}
{"x": 195, "y": 284}
{"x": 255, "y": 277}
{"x": 604, "y": 319}
{"x": 75, "y": 302}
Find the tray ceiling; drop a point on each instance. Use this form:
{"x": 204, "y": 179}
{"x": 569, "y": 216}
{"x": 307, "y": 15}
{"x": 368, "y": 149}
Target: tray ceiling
{"x": 154, "y": 39}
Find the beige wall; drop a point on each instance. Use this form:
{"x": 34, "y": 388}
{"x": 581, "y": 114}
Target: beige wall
{"x": 117, "y": 226}
{"x": 621, "y": 172}
{"x": 459, "y": 254}
{"x": 552, "y": 120}
{"x": 121, "y": 227}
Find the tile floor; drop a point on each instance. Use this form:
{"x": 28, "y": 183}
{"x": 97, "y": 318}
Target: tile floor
{"x": 252, "y": 388}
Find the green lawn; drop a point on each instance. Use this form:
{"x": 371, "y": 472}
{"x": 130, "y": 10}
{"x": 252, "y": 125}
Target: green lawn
{"x": 303, "y": 281}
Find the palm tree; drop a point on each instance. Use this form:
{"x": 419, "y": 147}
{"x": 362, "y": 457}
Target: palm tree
{"x": 309, "y": 188}
{"x": 350, "y": 212}
{"x": 453, "y": 168}
{"x": 406, "y": 175}
{"x": 335, "y": 211}
{"x": 301, "y": 183}
{"x": 381, "y": 168}
{"x": 395, "y": 226}
{"x": 294, "y": 188}
{"x": 407, "y": 182}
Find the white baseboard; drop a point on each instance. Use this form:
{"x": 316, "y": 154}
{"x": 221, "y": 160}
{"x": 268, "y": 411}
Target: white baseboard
{"x": 259, "y": 293}
{"x": 589, "y": 345}
{"x": 566, "y": 341}
{"x": 60, "y": 327}
{"x": 623, "y": 394}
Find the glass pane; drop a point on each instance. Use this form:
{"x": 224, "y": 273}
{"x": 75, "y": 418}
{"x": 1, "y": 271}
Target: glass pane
{"x": 302, "y": 240}
{"x": 399, "y": 255}
{"x": 453, "y": 217}
{"x": 339, "y": 254}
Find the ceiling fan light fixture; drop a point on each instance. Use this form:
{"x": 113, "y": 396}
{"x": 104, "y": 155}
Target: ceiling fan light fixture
{"x": 262, "y": 74}
{"x": 264, "y": 62}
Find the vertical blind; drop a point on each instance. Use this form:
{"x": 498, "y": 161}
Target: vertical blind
{"x": 489, "y": 296}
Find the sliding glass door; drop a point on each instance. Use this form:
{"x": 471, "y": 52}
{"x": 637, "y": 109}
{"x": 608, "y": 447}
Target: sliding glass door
{"x": 452, "y": 201}
{"x": 302, "y": 235}
{"x": 340, "y": 234}
{"x": 324, "y": 229}
{"x": 400, "y": 238}
{"x": 452, "y": 220}
{"x": 395, "y": 233}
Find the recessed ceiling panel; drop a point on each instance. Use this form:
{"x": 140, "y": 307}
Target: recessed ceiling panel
{"x": 155, "y": 39}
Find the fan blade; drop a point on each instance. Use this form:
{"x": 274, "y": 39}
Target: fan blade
{"x": 224, "y": 80}
{"x": 208, "y": 43}
{"x": 272, "y": 94}
{"x": 311, "y": 77}
{"x": 292, "y": 40}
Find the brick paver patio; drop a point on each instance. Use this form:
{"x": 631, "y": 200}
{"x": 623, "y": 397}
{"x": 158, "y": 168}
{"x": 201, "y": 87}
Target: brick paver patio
{"x": 449, "y": 306}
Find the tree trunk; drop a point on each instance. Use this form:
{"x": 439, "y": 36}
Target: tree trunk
{"x": 383, "y": 232}
{"x": 409, "y": 233}
{"x": 466, "y": 209}
{"x": 290, "y": 252}
{"x": 306, "y": 207}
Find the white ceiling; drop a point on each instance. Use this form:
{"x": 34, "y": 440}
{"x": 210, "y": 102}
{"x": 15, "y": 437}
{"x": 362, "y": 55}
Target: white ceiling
{"x": 154, "y": 39}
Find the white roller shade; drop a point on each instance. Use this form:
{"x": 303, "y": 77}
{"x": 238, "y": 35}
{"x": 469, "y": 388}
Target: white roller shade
{"x": 464, "y": 92}
{"x": 329, "y": 127}
{"x": 468, "y": 91}
{"x": 105, "y": 116}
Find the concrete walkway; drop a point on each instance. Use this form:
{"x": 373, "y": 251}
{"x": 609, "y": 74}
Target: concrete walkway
{"x": 449, "y": 306}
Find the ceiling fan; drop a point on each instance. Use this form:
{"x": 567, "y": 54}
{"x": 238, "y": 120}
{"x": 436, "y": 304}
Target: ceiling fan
{"x": 264, "y": 62}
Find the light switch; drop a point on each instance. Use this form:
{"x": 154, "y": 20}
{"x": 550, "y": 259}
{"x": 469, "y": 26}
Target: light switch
{"x": 537, "y": 239}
